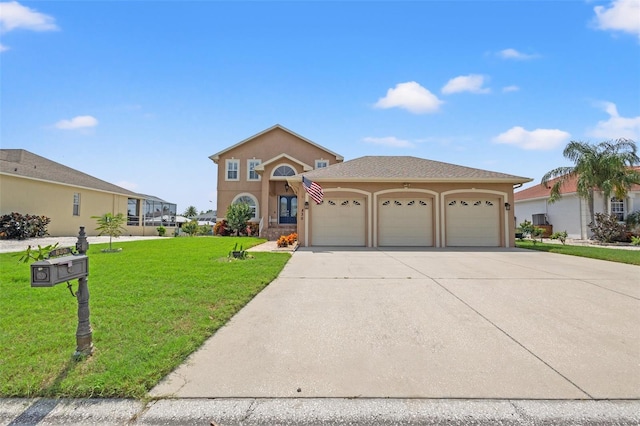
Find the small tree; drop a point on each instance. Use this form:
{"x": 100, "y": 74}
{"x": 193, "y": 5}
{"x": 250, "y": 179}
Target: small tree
{"x": 191, "y": 227}
{"x": 237, "y": 217}
{"x": 111, "y": 225}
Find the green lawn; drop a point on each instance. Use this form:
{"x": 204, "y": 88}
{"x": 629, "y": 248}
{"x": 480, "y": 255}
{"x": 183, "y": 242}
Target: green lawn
{"x": 614, "y": 255}
{"x": 152, "y": 304}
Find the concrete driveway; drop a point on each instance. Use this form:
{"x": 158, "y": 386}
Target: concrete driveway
{"x": 467, "y": 323}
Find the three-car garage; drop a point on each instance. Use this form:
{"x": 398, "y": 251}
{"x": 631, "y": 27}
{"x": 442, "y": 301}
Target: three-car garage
{"x": 383, "y": 201}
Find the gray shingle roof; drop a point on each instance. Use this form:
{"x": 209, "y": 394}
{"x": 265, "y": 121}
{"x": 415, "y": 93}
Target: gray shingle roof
{"x": 23, "y": 163}
{"x": 406, "y": 168}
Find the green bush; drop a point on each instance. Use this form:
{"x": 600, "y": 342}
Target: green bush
{"x": 562, "y": 236}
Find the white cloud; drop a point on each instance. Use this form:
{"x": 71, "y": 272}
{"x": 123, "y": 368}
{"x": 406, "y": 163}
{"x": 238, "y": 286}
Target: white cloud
{"x": 466, "y": 83}
{"x": 512, "y": 88}
{"x": 538, "y": 139}
{"x": 412, "y": 97}
{"x": 622, "y": 15}
{"x": 616, "y": 127}
{"x": 77, "y": 122}
{"x": 514, "y": 54}
{"x": 390, "y": 141}
{"x": 3, "y": 48}
{"x": 127, "y": 185}
{"x": 13, "y": 15}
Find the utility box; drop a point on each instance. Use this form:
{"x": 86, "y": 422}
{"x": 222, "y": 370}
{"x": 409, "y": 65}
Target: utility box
{"x": 47, "y": 273}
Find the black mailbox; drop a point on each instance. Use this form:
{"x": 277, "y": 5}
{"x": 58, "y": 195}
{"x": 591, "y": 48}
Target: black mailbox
{"x": 47, "y": 273}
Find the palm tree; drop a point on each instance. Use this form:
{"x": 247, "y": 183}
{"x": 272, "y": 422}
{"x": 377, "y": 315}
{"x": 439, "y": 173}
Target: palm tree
{"x": 191, "y": 212}
{"x": 605, "y": 167}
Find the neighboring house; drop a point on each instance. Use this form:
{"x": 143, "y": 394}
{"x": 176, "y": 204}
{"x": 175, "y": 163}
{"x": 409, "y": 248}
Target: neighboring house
{"x": 369, "y": 201}
{"x": 570, "y": 213}
{"x": 255, "y": 171}
{"x": 30, "y": 184}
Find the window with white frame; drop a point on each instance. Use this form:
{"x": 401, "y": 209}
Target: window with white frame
{"x": 233, "y": 170}
{"x": 251, "y": 169}
{"x": 617, "y": 208}
{"x": 76, "y": 204}
{"x": 321, "y": 164}
{"x": 251, "y": 201}
{"x": 283, "y": 170}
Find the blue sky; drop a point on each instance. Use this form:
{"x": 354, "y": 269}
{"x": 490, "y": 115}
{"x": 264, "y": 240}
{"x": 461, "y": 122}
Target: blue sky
{"x": 140, "y": 93}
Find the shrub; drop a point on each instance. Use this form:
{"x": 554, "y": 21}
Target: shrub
{"x": 221, "y": 228}
{"x": 16, "y": 226}
{"x": 237, "y": 216}
{"x": 633, "y": 223}
{"x": 527, "y": 228}
{"x": 253, "y": 229}
{"x": 292, "y": 238}
{"x": 562, "y": 236}
{"x": 190, "y": 228}
{"x": 635, "y": 241}
{"x": 606, "y": 228}
{"x": 283, "y": 241}
{"x": 161, "y": 230}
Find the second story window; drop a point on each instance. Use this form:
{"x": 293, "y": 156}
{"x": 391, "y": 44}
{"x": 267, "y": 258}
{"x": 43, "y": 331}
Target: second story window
{"x": 322, "y": 163}
{"x": 233, "y": 170}
{"x": 76, "y": 204}
{"x": 251, "y": 169}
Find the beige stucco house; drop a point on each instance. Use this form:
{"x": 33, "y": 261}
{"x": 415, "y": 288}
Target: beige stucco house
{"x": 371, "y": 201}
{"x": 31, "y": 184}
{"x": 255, "y": 171}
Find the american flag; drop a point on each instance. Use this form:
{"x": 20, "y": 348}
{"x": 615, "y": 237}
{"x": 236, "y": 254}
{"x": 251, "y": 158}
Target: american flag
{"x": 313, "y": 189}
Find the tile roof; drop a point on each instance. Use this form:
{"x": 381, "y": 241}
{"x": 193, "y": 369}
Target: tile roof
{"x": 406, "y": 168}
{"x": 540, "y": 191}
{"x": 20, "y": 162}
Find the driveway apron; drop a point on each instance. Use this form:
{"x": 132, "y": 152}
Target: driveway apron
{"x": 434, "y": 323}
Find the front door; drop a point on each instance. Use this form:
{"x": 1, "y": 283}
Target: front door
{"x": 288, "y": 209}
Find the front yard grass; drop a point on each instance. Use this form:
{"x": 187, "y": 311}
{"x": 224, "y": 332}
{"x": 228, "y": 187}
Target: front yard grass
{"x": 614, "y": 255}
{"x": 151, "y": 304}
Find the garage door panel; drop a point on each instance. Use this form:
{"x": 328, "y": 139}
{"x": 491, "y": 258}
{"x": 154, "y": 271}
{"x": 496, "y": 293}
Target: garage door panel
{"x": 473, "y": 222}
{"x": 338, "y": 222}
{"x": 405, "y": 222}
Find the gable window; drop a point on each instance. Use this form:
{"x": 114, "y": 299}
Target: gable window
{"x": 76, "y": 204}
{"x": 617, "y": 208}
{"x": 251, "y": 169}
{"x": 282, "y": 171}
{"x": 321, "y": 164}
{"x": 233, "y": 170}
{"x": 251, "y": 201}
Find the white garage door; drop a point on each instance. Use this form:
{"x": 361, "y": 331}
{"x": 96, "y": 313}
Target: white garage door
{"x": 405, "y": 222}
{"x": 473, "y": 222}
{"x": 338, "y": 222}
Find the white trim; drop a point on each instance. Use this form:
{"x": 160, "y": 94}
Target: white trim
{"x": 257, "y": 162}
{"x": 305, "y": 166}
{"x": 295, "y": 172}
{"x": 321, "y": 161}
{"x": 255, "y": 200}
{"x": 227, "y": 162}
{"x": 501, "y": 210}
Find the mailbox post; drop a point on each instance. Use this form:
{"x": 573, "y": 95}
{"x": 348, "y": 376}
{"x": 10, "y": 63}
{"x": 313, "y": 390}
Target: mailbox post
{"x": 84, "y": 334}
{"x": 47, "y": 273}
